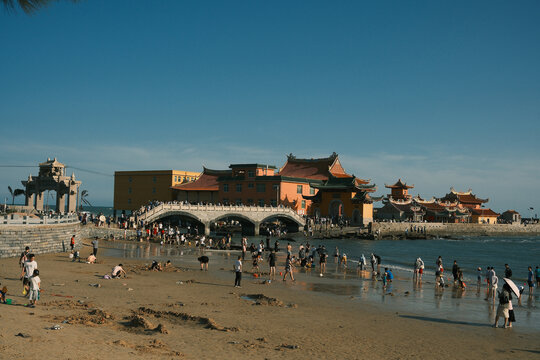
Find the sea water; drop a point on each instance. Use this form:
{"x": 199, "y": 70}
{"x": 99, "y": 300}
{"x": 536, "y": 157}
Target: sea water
{"x": 425, "y": 302}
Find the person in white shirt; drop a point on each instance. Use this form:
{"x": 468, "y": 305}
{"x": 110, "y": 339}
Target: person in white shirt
{"x": 35, "y": 285}
{"x": 28, "y": 270}
{"x": 238, "y": 272}
{"x": 118, "y": 271}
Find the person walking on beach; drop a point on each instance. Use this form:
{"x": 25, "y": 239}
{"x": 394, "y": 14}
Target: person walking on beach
{"x": 530, "y": 281}
{"x": 419, "y": 269}
{"x": 322, "y": 261}
{"x": 72, "y": 242}
{"x": 35, "y": 285}
{"x": 455, "y": 268}
{"x": 288, "y": 268}
{"x": 494, "y": 283}
{"x": 439, "y": 264}
{"x": 511, "y": 315}
{"x": 28, "y": 270}
{"x": 95, "y": 247}
{"x": 373, "y": 262}
{"x": 507, "y": 271}
{"x": 272, "y": 263}
{"x": 244, "y": 247}
{"x": 24, "y": 256}
{"x": 336, "y": 255}
{"x": 238, "y": 272}
{"x": 362, "y": 262}
{"x": 479, "y": 278}
{"x": 503, "y": 308}
{"x": 537, "y": 276}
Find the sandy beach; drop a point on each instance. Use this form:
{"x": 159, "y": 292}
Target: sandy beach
{"x": 187, "y": 313}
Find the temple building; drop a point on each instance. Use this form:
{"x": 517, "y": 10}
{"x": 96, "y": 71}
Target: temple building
{"x": 446, "y": 212}
{"x": 511, "y": 217}
{"x": 343, "y": 197}
{"x": 398, "y": 205}
{"x": 293, "y": 185}
{"x": 205, "y": 189}
{"x": 484, "y": 216}
{"x": 466, "y": 199}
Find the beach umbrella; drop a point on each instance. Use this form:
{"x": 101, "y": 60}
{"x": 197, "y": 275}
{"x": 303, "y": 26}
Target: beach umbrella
{"x": 513, "y": 286}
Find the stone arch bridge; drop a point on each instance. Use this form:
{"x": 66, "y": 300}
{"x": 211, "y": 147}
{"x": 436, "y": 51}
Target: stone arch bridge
{"x": 249, "y": 216}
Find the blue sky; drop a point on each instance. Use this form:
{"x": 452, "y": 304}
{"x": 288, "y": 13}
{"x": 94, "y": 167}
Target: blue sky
{"x": 438, "y": 93}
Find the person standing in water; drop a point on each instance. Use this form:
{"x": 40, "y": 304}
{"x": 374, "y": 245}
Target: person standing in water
{"x": 238, "y": 272}
{"x": 288, "y": 268}
{"x": 272, "y": 263}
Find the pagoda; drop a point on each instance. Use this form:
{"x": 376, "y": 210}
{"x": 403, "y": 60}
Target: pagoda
{"x": 399, "y": 191}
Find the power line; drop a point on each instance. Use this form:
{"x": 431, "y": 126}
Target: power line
{"x": 67, "y": 166}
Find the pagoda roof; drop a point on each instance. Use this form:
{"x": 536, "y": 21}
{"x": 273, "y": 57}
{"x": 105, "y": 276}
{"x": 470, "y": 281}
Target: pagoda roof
{"x": 465, "y": 197}
{"x": 399, "y": 185}
{"x": 52, "y": 163}
{"x": 344, "y": 183}
{"x": 484, "y": 212}
{"x": 316, "y": 169}
{"x": 207, "y": 181}
{"x": 399, "y": 201}
{"x": 510, "y": 212}
{"x": 257, "y": 166}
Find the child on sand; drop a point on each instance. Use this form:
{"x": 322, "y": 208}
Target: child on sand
{"x": 3, "y": 293}
{"x": 35, "y": 285}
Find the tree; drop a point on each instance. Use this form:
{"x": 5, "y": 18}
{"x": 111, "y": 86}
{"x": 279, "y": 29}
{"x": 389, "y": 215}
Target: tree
{"x": 28, "y": 6}
{"x": 15, "y": 193}
{"x": 84, "y": 199}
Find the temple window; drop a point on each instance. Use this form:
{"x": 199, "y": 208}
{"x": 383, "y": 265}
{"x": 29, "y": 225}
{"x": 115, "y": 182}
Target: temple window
{"x": 303, "y": 204}
{"x": 251, "y": 186}
{"x": 251, "y": 173}
{"x": 238, "y": 187}
{"x": 225, "y": 187}
{"x": 299, "y": 189}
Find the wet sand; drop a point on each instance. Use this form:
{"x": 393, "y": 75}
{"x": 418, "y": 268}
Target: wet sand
{"x": 188, "y": 313}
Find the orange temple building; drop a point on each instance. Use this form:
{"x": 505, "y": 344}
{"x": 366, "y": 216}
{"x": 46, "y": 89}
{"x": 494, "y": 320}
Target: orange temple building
{"x": 294, "y": 185}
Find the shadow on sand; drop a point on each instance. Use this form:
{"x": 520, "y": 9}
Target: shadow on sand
{"x": 445, "y": 321}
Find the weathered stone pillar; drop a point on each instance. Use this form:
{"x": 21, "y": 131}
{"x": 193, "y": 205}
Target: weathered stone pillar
{"x": 72, "y": 200}
{"x": 39, "y": 201}
{"x": 60, "y": 203}
{"x": 206, "y": 228}
{"x": 30, "y": 198}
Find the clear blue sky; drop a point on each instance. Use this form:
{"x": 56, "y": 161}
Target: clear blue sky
{"x": 438, "y": 93}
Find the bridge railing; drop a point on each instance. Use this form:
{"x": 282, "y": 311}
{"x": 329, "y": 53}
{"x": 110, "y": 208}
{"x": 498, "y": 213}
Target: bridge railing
{"x": 15, "y": 219}
{"x": 215, "y": 207}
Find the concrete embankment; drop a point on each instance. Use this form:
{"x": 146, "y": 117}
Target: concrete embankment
{"x": 40, "y": 238}
{"x": 439, "y": 229}
{"x": 50, "y": 238}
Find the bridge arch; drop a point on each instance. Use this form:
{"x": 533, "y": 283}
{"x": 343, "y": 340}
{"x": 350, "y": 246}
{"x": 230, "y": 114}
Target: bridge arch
{"x": 200, "y": 223}
{"x": 293, "y": 225}
{"x": 249, "y": 225}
